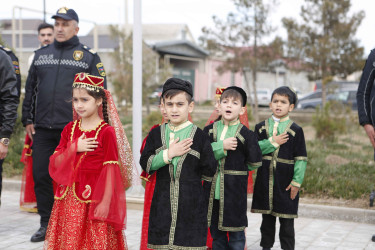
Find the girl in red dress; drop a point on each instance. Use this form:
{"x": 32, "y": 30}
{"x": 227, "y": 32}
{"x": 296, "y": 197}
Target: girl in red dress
{"x": 90, "y": 165}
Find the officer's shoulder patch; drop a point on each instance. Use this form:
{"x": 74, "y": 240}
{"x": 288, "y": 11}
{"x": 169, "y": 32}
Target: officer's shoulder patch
{"x": 89, "y": 49}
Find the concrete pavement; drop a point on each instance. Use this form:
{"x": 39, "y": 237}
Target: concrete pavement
{"x": 16, "y": 228}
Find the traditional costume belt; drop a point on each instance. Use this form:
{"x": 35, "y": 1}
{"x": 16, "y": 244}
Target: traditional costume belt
{"x": 299, "y": 158}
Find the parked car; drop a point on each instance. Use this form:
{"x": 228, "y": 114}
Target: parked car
{"x": 346, "y": 96}
{"x": 310, "y": 101}
{"x": 156, "y": 93}
{"x": 264, "y": 97}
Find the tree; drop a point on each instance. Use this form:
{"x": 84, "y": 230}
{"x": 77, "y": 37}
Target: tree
{"x": 240, "y": 35}
{"x": 325, "y": 40}
{"x": 153, "y": 70}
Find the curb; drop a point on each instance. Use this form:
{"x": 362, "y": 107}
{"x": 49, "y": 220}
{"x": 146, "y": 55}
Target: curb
{"x": 305, "y": 210}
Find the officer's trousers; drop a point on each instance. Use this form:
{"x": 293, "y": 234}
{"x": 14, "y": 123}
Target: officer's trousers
{"x": 44, "y": 143}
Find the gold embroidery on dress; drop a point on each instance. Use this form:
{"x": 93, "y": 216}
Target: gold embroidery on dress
{"x": 88, "y": 130}
{"x": 72, "y": 132}
{"x": 110, "y": 162}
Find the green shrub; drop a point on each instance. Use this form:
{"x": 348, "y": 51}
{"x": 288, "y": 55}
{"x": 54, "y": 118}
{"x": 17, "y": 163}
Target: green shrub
{"x": 329, "y": 121}
{"x": 152, "y": 119}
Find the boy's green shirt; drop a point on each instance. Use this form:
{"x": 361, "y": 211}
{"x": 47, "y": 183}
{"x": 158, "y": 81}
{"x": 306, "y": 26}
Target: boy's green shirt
{"x": 171, "y": 133}
{"x": 268, "y": 146}
{"x": 224, "y": 132}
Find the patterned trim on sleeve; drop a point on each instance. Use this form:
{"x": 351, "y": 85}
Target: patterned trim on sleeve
{"x": 300, "y": 158}
{"x": 149, "y": 162}
{"x": 275, "y": 144}
{"x": 295, "y": 184}
{"x": 165, "y": 156}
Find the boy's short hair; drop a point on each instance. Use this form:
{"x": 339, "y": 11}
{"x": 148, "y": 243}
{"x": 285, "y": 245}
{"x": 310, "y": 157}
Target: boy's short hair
{"x": 236, "y": 93}
{"x": 286, "y": 91}
{"x": 173, "y": 92}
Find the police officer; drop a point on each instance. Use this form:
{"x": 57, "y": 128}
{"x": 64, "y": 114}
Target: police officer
{"x": 9, "y": 99}
{"x": 50, "y": 79}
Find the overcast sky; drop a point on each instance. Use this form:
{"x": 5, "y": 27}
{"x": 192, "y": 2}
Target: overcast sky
{"x": 195, "y": 13}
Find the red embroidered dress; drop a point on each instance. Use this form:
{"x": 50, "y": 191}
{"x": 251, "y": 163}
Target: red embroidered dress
{"x": 86, "y": 179}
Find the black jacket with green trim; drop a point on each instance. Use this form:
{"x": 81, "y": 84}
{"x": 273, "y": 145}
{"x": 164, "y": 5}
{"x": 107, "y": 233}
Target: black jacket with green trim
{"x": 234, "y": 178}
{"x": 276, "y": 173}
{"x": 178, "y": 214}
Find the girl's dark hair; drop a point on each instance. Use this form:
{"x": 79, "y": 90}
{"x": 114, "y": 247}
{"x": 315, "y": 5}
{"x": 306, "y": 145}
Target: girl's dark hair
{"x": 231, "y": 93}
{"x": 173, "y": 92}
{"x": 286, "y": 91}
{"x": 97, "y": 95}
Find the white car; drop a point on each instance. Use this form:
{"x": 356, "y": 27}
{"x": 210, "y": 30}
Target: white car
{"x": 264, "y": 97}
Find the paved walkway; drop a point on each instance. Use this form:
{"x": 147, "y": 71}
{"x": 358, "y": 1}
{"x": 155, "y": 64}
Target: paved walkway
{"x": 16, "y": 228}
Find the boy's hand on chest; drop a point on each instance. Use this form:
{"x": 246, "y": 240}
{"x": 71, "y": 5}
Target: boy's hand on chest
{"x": 281, "y": 138}
{"x": 230, "y": 143}
{"x": 178, "y": 148}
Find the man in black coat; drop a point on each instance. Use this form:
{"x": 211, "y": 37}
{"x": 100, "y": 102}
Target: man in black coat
{"x": 46, "y": 108}
{"x": 366, "y": 105}
{"x": 9, "y": 99}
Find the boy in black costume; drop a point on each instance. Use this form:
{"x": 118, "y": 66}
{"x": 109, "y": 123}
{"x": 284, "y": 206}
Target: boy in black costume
{"x": 282, "y": 172}
{"x": 182, "y": 156}
{"x": 237, "y": 151}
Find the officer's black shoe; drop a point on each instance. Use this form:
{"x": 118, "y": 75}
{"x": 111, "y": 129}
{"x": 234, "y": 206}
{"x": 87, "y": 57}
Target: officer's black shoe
{"x": 40, "y": 235}
{"x": 266, "y": 248}
{"x": 373, "y": 238}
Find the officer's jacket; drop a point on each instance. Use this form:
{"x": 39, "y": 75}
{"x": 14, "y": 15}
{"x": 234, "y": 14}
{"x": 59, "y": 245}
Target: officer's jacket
{"x": 48, "y": 94}
{"x": 9, "y": 98}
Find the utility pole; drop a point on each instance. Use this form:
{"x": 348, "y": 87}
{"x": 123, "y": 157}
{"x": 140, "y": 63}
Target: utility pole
{"x": 137, "y": 91}
{"x": 44, "y": 10}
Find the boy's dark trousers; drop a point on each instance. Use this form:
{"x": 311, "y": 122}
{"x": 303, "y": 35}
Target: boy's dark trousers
{"x": 220, "y": 238}
{"x": 268, "y": 230}
{"x": 44, "y": 144}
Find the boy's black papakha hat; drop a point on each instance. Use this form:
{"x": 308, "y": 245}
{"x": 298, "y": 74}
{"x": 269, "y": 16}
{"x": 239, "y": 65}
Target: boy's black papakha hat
{"x": 66, "y": 14}
{"x": 241, "y": 91}
{"x": 177, "y": 83}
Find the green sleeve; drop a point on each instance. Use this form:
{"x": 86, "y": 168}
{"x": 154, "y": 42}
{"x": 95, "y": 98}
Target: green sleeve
{"x": 299, "y": 172}
{"x": 266, "y": 146}
{"x": 158, "y": 161}
{"x": 218, "y": 149}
